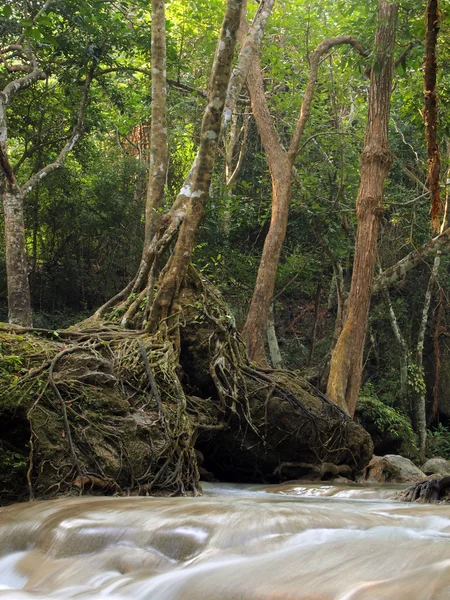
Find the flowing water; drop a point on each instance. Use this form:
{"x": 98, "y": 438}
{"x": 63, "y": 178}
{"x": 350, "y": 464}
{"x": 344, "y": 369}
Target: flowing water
{"x": 287, "y": 542}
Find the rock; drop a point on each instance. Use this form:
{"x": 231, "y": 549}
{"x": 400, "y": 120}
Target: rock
{"x": 393, "y": 468}
{"x": 390, "y": 431}
{"x": 343, "y": 481}
{"x": 296, "y": 433}
{"x": 436, "y": 466}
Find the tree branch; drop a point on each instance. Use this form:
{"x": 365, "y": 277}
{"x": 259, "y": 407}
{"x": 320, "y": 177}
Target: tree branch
{"x": 316, "y": 56}
{"x": 398, "y": 271}
{"x": 250, "y": 40}
{"x": 37, "y": 147}
{"x": 76, "y": 134}
{"x": 18, "y": 84}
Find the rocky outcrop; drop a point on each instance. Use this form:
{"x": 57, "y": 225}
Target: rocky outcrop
{"x": 393, "y": 468}
{"x": 295, "y": 432}
{"x": 436, "y": 466}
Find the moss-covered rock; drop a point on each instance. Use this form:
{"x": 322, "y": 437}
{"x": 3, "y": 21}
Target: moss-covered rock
{"x": 390, "y": 431}
{"x": 109, "y": 410}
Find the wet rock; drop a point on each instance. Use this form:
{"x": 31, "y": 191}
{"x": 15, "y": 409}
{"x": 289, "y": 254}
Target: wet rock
{"x": 296, "y": 433}
{"x": 393, "y": 468}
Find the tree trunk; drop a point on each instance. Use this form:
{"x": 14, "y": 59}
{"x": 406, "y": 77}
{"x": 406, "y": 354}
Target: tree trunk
{"x": 432, "y": 17}
{"x": 175, "y": 270}
{"x": 19, "y": 303}
{"x": 272, "y": 341}
{"x": 430, "y": 114}
{"x": 403, "y": 358}
{"x": 159, "y": 153}
{"x": 419, "y": 416}
{"x": 281, "y": 164}
{"x": 347, "y": 359}
{"x": 255, "y": 329}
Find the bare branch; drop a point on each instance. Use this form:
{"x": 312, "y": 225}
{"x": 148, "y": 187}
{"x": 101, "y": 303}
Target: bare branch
{"x": 37, "y": 147}
{"x": 241, "y": 157}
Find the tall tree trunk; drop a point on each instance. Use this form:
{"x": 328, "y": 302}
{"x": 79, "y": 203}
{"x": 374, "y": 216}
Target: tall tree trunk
{"x": 281, "y": 164}
{"x": 347, "y": 359}
{"x": 175, "y": 270}
{"x": 159, "y": 153}
{"x": 272, "y": 341}
{"x": 432, "y": 17}
{"x": 419, "y": 417}
{"x": 403, "y": 356}
{"x": 19, "y": 303}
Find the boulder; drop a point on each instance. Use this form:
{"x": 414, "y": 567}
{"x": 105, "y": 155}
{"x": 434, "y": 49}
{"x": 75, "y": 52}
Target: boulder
{"x": 436, "y": 466}
{"x": 393, "y": 468}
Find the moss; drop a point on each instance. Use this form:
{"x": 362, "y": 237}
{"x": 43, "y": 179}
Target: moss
{"x": 391, "y": 431}
{"x": 112, "y": 420}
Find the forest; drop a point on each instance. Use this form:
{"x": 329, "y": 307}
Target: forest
{"x": 224, "y": 249}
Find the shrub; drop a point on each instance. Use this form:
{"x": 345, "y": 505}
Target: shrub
{"x": 391, "y": 431}
{"x": 438, "y": 442}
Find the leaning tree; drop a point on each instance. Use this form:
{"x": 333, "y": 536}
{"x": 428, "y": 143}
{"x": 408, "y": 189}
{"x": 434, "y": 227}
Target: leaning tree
{"x": 158, "y": 376}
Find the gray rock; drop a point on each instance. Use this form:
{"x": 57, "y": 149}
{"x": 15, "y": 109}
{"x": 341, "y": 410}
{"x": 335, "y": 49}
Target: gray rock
{"x": 393, "y": 468}
{"x": 436, "y": 466}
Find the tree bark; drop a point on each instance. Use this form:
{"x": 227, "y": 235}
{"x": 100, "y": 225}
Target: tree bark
{"x": 403, "y": 358}
{"x": 177, "y": 265}
{"x": 281, "y": 164}
{"x": 159, "y": 153}
{"x": 432, "y": 17}
{"x": 272, "y": 341}
{"x": 19, "y": 303}
{"x": 347, "y": 359}
{"x": 419, "y": 417}
{"x": 19, "y": 298}
{"x": 430, "y": 113}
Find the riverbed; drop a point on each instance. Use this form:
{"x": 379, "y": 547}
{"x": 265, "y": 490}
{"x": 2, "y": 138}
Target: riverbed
{"x": 288, "y": 542}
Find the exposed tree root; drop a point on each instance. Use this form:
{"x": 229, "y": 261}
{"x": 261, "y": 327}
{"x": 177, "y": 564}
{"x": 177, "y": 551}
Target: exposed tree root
{"x": 111, "y": 410}
{"x": 433, "y": 490}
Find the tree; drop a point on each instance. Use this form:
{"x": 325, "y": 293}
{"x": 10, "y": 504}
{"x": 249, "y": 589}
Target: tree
{"x": 281, "y": 164}
{"x": 347, "y": 358}
{"x": 24, "y": 60}
{"x": 192, "y": 197}
{"x": 174, "y": 358}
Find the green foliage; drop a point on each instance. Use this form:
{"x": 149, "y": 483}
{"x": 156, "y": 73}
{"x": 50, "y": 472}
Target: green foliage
{"x": 13, "y": 466}
{"x": 391, "y": 431}
{"x": 416, "y": 378}
{"x": 438, "y": 442}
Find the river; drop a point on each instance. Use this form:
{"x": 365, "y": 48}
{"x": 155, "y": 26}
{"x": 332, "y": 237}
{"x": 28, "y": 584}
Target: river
{"x": 287, "y": 542}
